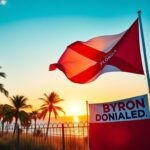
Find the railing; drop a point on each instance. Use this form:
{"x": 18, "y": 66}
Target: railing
{"x": 61, "y": 136}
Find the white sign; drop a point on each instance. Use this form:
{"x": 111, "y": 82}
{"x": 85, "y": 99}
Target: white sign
{"x": 135, "y": 108}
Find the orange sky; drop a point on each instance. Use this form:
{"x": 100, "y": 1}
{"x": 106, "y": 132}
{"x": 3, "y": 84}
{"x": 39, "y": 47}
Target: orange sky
{"x": 108, "y": 87}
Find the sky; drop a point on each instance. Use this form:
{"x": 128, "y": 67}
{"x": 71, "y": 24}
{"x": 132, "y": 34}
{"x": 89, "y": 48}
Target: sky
{"x": 34, "y": 34}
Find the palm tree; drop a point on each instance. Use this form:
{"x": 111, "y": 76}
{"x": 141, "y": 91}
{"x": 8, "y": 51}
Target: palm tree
{"x": 34, "y": 115}
{"x": 26, "y": 121}
{"x": 18, "y": 104}
{"x": 2, "y": 89}
{"x": 49, "y": 107}
{"x": 4, "y": 109}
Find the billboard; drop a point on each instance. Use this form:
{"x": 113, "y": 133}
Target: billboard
{"x": 120, "y": 125}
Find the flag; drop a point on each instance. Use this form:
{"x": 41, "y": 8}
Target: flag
{"x": 83, "y": 62}
{"x": 120, "y": 125}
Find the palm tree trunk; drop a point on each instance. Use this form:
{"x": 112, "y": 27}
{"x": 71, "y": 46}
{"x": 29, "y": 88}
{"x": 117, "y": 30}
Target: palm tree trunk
{"x": 35, "y": 125}
{"x": 2, "y": 127}
{"x": 16, "y": 121}
{"x": 49, "y": 117}
{"x": 7, "y": 127}
{"x": 35, "y": 132}
{"x": 27, "y": 128}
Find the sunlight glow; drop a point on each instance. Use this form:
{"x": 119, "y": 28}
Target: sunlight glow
{"x": 75, "y": 108}
{"x": 76, "y": 119}
{"x": 3, "y": 2}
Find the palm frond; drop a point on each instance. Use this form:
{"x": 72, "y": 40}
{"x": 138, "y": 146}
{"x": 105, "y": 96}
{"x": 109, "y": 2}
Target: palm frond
{"x": 4, "y": 91}
{"x": 2, "y": 74}
{"x": 57, "y": 100}
{"x": 9, "y": 114}
{"x": 18, "y": 101}
{"x": 46, "y": 101}
{"x": 55, "y": 112}
{"x": 23, "y": 116}
{"x": 48, "y": 106}
{"x": 44, "y": 105}
{"x": 26, "y": 106}
{"x": 42, "y": 108}
{"x": 53, "y": 96}
{"x": 59, "y": 108}
{"x": 43, "y": 113}
{"x": 46, "y": 95}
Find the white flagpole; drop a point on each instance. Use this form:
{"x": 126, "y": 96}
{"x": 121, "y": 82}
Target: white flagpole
{"x": 144, "y": 50}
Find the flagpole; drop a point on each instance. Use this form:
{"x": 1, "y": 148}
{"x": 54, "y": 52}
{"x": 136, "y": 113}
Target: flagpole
{"x": 87, "y": 120}
{"x": 144, "y": 50}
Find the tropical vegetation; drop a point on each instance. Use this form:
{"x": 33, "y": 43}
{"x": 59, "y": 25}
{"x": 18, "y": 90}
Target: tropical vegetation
{"x": 2, "y": 89}
{"x": 34, "y": 115}
{"x": 49, "y": 107}
{"x": 17, "y": 112}
{"x": 17, "y": 109}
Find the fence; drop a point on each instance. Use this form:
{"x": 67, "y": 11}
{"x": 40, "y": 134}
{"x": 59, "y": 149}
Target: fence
{"x": 61, "y": 136}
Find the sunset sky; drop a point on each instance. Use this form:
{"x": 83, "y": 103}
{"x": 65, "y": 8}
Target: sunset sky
{"x": 34, "y": 34}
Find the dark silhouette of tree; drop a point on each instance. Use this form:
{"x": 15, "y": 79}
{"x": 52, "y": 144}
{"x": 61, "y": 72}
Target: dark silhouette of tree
{"x": 2, "y": 89}
{"x": 18, "y": 105}
{"x": 34, "y": 115}
{"x": 4, "y": 117}
{"x": 49, "y": 107}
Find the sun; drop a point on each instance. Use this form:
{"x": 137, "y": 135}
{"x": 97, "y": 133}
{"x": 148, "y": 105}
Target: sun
{"x": 3, "y": 2}
{"x": 76, "y": 119}
{"x": 75, "y": 108}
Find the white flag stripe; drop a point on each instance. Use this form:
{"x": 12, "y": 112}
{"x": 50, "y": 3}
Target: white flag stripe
{"x": 104, "y": 43}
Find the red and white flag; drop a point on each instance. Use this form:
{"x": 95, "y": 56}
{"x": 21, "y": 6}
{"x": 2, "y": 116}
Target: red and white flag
{"x": 120, "y": 125}
{"x": 83, "y": 62}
